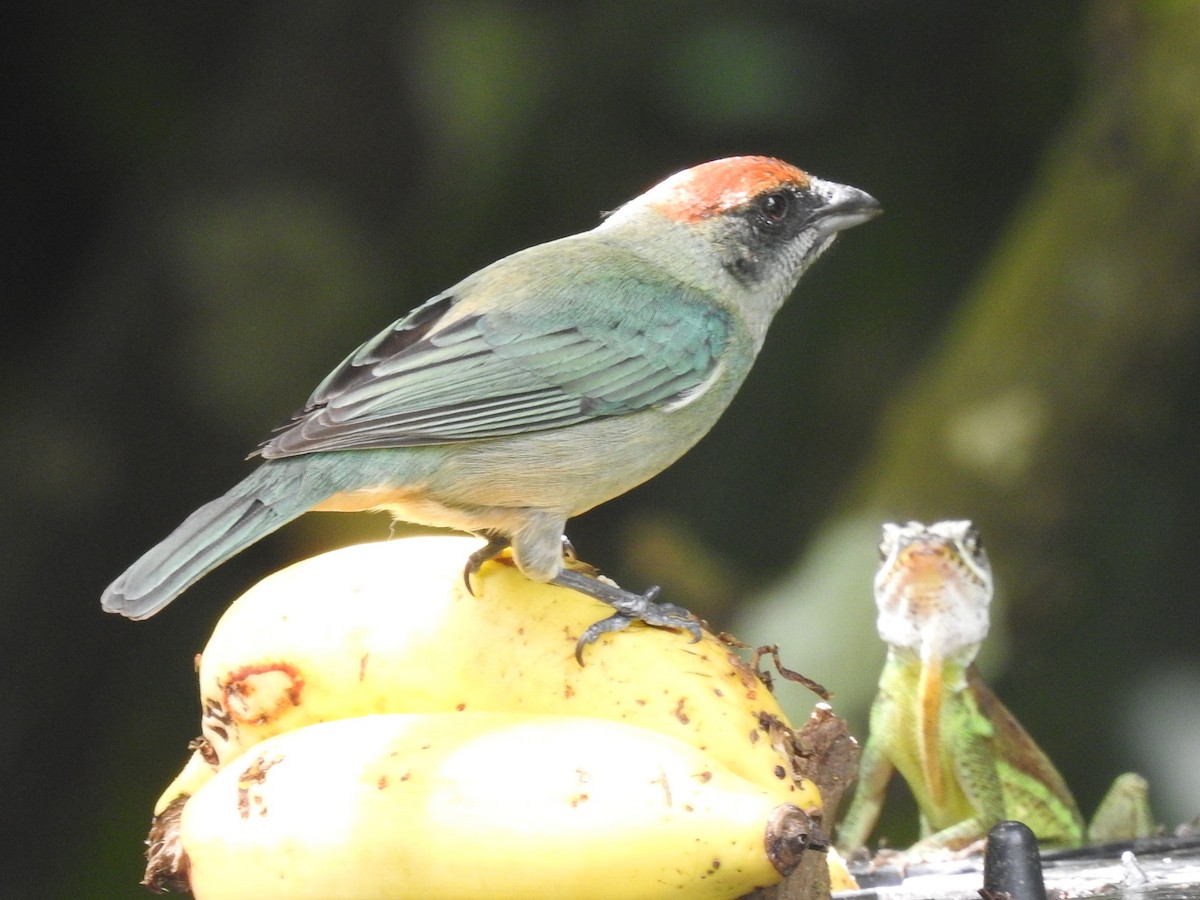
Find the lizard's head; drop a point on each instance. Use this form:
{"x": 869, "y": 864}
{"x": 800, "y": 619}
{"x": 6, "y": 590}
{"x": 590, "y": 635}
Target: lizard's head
{"x": 933, "y": 588}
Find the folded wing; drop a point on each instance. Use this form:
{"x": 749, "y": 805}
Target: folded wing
{"x": 438, "y": 376}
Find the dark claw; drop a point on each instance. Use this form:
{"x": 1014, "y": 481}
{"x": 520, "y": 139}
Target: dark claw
{"x": 630, "y": 608}
{"x": 615, "y": 622}
{"x": 496, "y": 544}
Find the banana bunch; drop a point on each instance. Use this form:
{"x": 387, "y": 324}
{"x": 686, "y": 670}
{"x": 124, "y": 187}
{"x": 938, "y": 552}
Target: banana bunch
{"x": 441, "y": 805}
{"x": 374, "y": 728}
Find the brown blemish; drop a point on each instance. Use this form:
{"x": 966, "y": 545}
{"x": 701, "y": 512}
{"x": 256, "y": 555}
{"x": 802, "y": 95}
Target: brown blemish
{"x": 743, "y": 672}
{"x": 207, "y": 752}
{"x": 766, "y": 720}
{"x": 568, "y": 691}
{"x": 382, "y": 782}
{"x": 666, "y": 786}
{"x": 216, "y": 720}
{"x": 258, "y": 693}
{"x": 780, "y": 773}
{"x": 460, "y": 706}
{"x": 679, "y": 713}
{"x": 255, "y": 775}
{"x": 578, "y": 799}
{"x": 362, "y": 666}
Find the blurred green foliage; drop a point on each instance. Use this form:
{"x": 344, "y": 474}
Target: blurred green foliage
{"x": 208, "y": 205}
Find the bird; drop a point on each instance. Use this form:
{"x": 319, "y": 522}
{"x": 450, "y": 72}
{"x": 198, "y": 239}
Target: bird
{"x": 539, "y": 387}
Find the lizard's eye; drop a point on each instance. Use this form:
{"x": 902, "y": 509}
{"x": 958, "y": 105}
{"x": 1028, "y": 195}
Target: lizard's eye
{"x": 972, "y": 541}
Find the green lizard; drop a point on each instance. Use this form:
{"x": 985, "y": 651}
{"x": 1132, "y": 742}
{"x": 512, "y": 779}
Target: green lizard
{"x": 967, "y": 760}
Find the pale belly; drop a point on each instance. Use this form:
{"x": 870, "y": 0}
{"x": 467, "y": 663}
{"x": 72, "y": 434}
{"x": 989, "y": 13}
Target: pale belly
{"x": 498, "y": 481}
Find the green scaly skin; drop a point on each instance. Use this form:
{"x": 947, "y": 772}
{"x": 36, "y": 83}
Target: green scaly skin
{"x": 966, "y": 758}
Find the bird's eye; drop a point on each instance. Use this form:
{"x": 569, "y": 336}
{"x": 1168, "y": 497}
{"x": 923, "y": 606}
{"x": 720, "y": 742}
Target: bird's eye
{"x": 775, "y": 206}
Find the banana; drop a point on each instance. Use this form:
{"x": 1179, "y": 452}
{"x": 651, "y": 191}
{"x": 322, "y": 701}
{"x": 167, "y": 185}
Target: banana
{"x": 166, "y": 861}
{"x": 199, "y": 769}
{"x": 477, "y": 804}
{"x": 840, "y": 878}
{"x": 391, "y": 627}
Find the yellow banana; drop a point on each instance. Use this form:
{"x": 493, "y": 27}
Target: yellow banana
{"x": 199, "y": 770}
{"x": 391, "y": 627}
{"x": 166, "y": 862}
{"x": 470, "y": 805}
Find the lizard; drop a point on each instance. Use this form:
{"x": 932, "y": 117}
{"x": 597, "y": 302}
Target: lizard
{"x": 967, "y": 760}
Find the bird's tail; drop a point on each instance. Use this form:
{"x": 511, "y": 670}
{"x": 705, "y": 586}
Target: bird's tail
{"x": 258, "y": 505}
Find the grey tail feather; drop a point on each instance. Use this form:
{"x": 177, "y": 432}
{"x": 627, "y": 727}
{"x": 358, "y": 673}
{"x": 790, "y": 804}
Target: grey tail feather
{"x": 259, "y": 504}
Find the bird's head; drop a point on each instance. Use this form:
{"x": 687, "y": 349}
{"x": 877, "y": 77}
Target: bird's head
{"x": 753, "y": 224}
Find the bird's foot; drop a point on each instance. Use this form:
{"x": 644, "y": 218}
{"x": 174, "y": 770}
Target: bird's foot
{"x": 630, "y": 608}
{"x": 496, "y": 544}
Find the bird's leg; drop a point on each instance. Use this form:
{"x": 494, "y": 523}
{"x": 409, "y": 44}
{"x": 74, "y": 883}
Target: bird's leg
{"x": 630, "y": 608}
{"x": 496, "y": 544}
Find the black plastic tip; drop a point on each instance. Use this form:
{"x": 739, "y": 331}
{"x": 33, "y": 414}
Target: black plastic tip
{"x": 1012, "y": 864}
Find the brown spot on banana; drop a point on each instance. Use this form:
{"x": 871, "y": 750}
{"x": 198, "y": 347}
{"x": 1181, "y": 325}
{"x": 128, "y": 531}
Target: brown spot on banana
{"x": 249, "y": 800}
{"x": 255, "y": 694}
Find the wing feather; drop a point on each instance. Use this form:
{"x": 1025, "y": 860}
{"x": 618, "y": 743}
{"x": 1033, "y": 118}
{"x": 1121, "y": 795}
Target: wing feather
{"x": 439, "y": 376}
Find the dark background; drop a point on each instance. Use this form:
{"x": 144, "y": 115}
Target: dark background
{"x": 206, "y": 206}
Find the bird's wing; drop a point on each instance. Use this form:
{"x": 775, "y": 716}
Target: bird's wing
{"x": 438, "y": 376}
